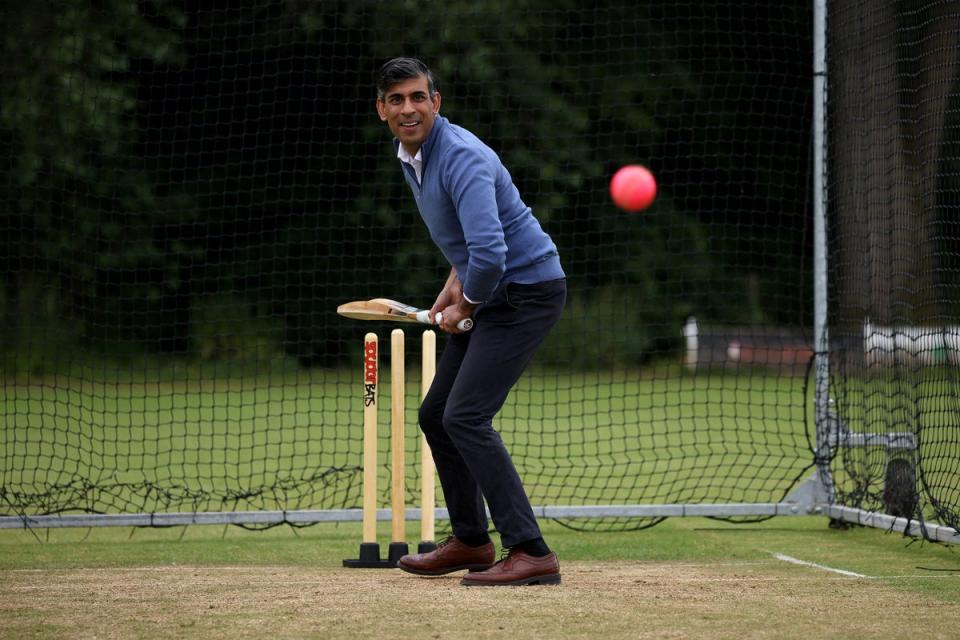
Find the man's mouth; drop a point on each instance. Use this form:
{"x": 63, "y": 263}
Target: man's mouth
{"x": 409, "y": 125}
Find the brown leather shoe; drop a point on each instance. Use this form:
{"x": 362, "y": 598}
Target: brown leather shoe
{"x": 450, "y": 555}
{"x": 517, "y": 568}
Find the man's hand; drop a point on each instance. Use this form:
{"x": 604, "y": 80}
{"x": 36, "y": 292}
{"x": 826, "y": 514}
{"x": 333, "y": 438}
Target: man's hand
{"x": 450, "y": 296}
{"x": 453, "y": 314}
{"x": 452, "y": 293}
{"x": 451, "y": 304}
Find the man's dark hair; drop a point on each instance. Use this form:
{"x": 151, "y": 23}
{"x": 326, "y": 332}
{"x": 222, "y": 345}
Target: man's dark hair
{"x": 400, "y": 69}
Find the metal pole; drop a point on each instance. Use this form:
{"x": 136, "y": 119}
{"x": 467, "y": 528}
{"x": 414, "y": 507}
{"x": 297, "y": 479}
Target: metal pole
{"x": 821, "y": 338}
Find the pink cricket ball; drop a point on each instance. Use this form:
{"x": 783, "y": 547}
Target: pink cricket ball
{"x": 633, "y": 188}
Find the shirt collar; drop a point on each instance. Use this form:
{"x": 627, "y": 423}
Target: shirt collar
{"x": 424, "y": 152}
{"x": 414, "y": 161}
{"x": 405, "y": 156}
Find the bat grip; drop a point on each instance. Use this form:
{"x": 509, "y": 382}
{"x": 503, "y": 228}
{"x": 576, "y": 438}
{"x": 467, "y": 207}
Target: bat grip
{"x": 424, "y": 316}
{"x": 464, "y": 325}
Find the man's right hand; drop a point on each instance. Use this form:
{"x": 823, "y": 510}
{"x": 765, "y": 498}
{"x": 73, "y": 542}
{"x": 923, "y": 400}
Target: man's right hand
{"x": 451, "y": 294}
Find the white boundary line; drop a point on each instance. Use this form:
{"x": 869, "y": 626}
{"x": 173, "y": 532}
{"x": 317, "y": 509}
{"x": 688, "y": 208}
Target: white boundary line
{"x": 804, "y": 563}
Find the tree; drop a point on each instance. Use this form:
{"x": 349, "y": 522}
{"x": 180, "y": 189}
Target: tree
{"x": 78, "y": 205}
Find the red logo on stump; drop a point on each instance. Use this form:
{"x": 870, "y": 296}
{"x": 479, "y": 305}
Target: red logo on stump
{"x": 369, "y": 373}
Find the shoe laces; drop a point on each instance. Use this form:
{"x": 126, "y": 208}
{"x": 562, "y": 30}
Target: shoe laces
{"x": 445, "y": 542}
{"x": 505, "y": 554}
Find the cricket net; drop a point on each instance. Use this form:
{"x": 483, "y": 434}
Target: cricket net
{"x": 189, "y": 192}
{"x": 894, "y": 307}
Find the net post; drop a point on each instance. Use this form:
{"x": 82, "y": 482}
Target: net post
{"x": 821, "y": 356}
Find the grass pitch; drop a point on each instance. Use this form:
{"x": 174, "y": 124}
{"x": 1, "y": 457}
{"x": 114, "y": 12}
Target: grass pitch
{"x": 684, "y": 578}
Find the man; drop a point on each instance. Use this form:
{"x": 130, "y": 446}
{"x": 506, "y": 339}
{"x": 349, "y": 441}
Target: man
{"x": 505, "y": 274}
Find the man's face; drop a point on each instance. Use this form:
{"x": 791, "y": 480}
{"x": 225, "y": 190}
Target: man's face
{"x": 409, "y": 111}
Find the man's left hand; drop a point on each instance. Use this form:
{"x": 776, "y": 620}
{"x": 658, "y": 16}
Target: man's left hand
{"x": 452, "y": 316}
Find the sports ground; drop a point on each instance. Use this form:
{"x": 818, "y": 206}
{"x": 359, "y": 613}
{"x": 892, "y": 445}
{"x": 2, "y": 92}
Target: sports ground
{"x": 790, "y": 577}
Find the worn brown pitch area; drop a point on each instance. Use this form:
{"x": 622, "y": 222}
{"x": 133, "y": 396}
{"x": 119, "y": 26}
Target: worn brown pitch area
{"x": 596, "y": 600}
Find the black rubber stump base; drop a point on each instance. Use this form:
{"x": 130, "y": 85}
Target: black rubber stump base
{"x": 370, "y": 558}
{"x": 426, "y": 546}
{"x": 397, "y": 551}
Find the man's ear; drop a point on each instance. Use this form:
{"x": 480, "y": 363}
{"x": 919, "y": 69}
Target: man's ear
{"x": 382, "y": 110}
{"x": 436, "y": 102}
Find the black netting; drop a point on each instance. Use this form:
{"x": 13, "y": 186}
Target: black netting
{"x": 894, "y": 241}
{"x": 188, "y": 191}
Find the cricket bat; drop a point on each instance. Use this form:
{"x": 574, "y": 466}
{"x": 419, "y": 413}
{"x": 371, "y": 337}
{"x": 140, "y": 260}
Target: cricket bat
{"x": 385, "y": 309}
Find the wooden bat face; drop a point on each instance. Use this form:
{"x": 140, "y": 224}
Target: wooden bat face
{"x": 378, "y": 309}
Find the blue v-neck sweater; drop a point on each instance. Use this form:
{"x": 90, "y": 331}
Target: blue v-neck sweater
{"x": 475, "y": 215}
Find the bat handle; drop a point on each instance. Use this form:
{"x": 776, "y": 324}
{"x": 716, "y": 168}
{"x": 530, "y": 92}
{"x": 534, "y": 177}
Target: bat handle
{"x": 424, "y": 316}
{"x": 464, "y": 325}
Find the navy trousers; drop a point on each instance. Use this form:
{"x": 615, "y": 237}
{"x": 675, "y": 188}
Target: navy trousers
{"x": 474, "y": 376}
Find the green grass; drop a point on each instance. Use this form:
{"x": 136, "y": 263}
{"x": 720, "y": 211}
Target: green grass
{"x": 877, "y": 554}
{"x": 263, "y": 442}
{"x": 684, "y": 578}
{"x": 293, "y": 439}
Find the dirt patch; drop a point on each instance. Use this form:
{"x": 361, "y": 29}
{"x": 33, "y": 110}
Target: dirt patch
{"x": 636, "y": 600}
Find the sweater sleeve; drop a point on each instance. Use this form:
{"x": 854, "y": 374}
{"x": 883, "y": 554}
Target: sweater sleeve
{"x": 470, "y": 181}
